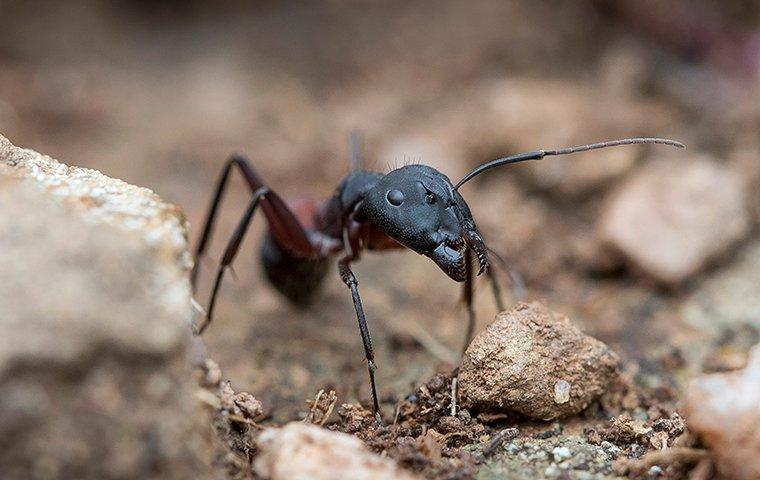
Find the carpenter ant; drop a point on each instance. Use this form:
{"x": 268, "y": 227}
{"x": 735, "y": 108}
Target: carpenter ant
{"x": 415, "y": 207}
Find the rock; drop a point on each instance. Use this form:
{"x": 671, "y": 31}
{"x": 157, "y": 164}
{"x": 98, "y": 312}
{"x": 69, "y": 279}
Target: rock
{"x": 675, "y": 216}
{"x": 625, "y": 430}
{"x": 241, "y": 404}
{"x": 728, "y": 299}
{"x": 95, "y": 326}
{"x": 724, "y": 410}
{"x": 526, "y": 360}
{"x": 300, "y": 451}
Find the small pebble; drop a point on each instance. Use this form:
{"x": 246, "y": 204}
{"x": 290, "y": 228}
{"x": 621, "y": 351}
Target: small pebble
{"x": 561, "y": 391}
{"x": 560, "y": 453}
{"x": 637, "y": 451}
{"x": 610, "y": 449}
{"x": 655, "y": 471}
{"x": 551, "y": 471}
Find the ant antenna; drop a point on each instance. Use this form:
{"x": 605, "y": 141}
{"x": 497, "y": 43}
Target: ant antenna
{"x": 539, "y": 154}
{"x": 355, "y": 141}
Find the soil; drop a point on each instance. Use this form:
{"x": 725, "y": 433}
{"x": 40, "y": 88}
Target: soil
{"x": 159, "y": 95}
{"x": 615, "y": 436}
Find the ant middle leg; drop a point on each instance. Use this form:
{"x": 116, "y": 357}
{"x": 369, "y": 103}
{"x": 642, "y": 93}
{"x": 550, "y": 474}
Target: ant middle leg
{"x": 468, "y": 290}
{"x": 518, "y": 291}
{"x": 495, "y": 289}
{"x": 516, "y": 283}
{"x": 517, "y": 286}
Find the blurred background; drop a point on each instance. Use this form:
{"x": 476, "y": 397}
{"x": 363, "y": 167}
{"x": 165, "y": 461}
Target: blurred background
{"x": 159, "y": 93}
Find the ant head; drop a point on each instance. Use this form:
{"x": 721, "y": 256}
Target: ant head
{"x": 418, "y": 207}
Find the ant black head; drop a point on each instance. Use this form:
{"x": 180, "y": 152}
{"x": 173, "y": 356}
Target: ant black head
{"x": 421, "y": 209}
{"x": 418, "y": 206}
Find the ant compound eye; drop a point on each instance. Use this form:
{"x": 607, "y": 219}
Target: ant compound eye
{"x": 395, "y": 197}
{"x": 430, "y": 199}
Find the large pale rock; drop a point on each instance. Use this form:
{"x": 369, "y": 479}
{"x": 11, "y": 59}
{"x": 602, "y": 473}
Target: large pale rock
{"x": 675, "y": 216}
{"x": 94, "y": 326}
{"x": 724, "y": 409}
{"x": 307, "y": 452}
{"x": 535, "y": 362}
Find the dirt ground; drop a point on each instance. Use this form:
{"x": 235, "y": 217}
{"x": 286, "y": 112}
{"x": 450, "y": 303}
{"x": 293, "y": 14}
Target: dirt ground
{"x": 159, "y": 93}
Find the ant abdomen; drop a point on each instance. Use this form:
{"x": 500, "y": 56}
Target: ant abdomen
{"x": 297, "y": 279}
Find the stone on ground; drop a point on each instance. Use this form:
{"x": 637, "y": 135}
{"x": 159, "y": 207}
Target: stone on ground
{"x": 94, "y": 328}
{"x": 728, "y": 299}
{"x": 300, "y": 451}
{"x": 675, "y": 216}
{"x": 534, "y": 362}
{"x": 724, "y": 410}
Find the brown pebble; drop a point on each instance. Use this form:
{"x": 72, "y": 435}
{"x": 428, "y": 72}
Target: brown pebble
{"x": 518, "y": 361}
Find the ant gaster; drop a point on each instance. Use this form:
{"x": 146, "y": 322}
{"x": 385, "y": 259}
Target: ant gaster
{"x": 415, "y": 207}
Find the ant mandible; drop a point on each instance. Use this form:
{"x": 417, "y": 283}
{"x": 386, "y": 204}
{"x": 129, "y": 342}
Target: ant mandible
{"x": 415, "y": 207}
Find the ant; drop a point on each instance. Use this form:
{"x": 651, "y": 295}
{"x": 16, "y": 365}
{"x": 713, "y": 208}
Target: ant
{"x": 415, "y": 207}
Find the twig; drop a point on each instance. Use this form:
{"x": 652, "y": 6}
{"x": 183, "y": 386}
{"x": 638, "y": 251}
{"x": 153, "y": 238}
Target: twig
{"x": 314, "y": 407}
{"x": 309, "y": 418}
{"x": 329, "y": 411}
{"x": 197, "y": 307}
{"x": 396, "y": 414}
{"x": 454, "y": 393}
{"x": 239, "y": 419}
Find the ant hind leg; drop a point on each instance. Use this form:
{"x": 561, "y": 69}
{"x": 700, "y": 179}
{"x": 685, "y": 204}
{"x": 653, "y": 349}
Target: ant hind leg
{"x": 283, "y": 225}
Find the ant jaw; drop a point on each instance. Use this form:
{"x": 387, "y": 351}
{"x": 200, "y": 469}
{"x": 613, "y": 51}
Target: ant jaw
{"x": 475, "y": 242}
{"x": 451, "y": 259}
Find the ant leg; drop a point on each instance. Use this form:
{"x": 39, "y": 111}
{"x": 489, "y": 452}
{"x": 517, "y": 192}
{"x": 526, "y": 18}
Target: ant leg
{"x": 495, "y": 288}
{"x": 517, "y": 285}
{"x": 350, "y": 280}
{"x": 468, "y": 290}
{"x": 282, "y": 223}
{"x": 208, "y": 223}
{"x": 233, "y": 245}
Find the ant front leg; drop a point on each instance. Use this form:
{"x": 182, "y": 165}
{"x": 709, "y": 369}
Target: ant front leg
{"x": 351, "y": 245}
{"x": 350, "y": 280}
